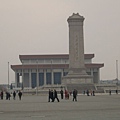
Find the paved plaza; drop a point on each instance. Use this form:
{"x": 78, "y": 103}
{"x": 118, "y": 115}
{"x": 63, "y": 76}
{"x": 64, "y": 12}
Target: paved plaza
{"x": 99, "y": 107}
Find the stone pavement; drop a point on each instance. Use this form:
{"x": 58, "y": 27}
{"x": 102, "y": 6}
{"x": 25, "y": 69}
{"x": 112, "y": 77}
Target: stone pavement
{"x": 99, "y": 107}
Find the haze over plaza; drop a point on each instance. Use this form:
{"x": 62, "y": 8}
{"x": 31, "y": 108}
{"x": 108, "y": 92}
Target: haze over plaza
{"x": 40, "y": 27}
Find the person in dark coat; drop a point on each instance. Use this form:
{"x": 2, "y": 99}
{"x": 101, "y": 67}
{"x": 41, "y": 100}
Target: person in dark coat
{"x": 20, "y": 95}
{"x": 61, "y": 92}
{"x": 50, "y": 95}
{"x": 14, "y": 95}
{"x": 109, "y": 92}
{"x": 75, "y": 95}
{"x": 93, "y": 93}
{"x": 9, "y": 96}
{"x": 116, "y": 91}
{"x": 56, "y": 96}
{"x": 87, "y": 92}
{"x": 1, "y": 95}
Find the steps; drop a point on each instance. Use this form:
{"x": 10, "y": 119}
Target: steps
{"x": 80, "y": 87}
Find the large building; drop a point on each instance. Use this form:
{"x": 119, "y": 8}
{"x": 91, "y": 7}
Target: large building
{"x": 43, "y": 70}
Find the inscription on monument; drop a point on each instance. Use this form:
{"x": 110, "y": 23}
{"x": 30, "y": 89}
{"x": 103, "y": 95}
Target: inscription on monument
{"x": 76, "y": 48}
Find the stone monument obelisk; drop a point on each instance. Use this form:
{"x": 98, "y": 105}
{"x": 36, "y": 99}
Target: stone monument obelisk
{"x": 77, "y": 71}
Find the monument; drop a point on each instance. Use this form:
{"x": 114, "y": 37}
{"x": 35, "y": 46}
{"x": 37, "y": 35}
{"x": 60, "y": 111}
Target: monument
{"x": 77, "y": 71}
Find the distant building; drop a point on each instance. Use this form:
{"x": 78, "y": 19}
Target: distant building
{"x": 42, "y": 70}
{"x": 115, "y": 81}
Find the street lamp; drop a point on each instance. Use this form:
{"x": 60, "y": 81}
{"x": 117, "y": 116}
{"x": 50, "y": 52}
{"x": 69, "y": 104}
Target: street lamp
{"x": 117, "y": 74}
{"x": 37, "y": 79}
{"x": 51, "y": 74}
{"x": 22, "y": 77}
{"x": 8, "y": 75}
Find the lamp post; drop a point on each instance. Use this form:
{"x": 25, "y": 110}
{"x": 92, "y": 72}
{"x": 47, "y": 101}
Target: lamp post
{"x": 51, "y": 74}
{"x": 37, "y": 79}
{"x": 8, "y": 75}
{"x": 117, "y": 73}
{"x": 22, "y": 77}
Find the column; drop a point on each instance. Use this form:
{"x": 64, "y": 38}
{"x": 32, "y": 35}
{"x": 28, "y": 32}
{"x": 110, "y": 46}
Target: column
{"x": 62, "y": 73}
{"x": 37, "y": 74}
{"x": 22, "y": 78}
{"x": 44, "y": 77}
{"x": 37, "y": 78}
{"x": 98, "y": 76}
{"x": 30, "y": 81}
{"x": 52, "y": 78}
{"x": 52, "y": 81}
{"x": 16, "y": 82}
{"x": 91, "y": 74}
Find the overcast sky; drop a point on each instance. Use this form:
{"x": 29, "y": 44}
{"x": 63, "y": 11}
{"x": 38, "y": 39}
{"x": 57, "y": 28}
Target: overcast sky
{"x": 40, "y": 27}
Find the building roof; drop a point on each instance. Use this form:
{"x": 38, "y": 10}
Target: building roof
{"x": 51, "y": 56}
{"x": 53, "y": 66}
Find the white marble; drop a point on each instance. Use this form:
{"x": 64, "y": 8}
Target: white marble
{"x": 77, "y": 71}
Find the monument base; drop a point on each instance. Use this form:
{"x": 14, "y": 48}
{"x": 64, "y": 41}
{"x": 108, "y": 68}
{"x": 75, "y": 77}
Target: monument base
{"x": 79, "y": 82}
{"x": 77, "y": 79}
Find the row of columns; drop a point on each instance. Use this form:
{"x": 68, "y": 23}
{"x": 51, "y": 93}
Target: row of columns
{"x": 30, "y": 80}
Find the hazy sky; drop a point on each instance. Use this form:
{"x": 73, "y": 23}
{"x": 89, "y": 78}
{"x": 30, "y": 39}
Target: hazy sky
{"x": 40, "y": 27}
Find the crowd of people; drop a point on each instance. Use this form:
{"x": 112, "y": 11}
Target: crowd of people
{"x": 53, "y": 95}
{"x": 89, "y": 92}
{"x": 8, "y": 95}
{"x": 66, "y": 94}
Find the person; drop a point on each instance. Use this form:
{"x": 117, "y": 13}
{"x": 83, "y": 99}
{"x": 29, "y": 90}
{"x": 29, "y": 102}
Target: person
{"x": 87, "y": 92}
{"x": 50, "y": 95}
{"x": 84, "y": 92}
{"x": 14, "y": 95}
{"x": 20, "y": 95}
{"x": 1, "y": 95}
{"x": 66, "y": 94}
{"x": 93, "y": 93}
{"x": 116, "y": 91}
{"x": 75, "y": 95}
{"x": 109, "y": 92}
{"x": 56, "y": 96}
{"x": 9, "y": 96}
{"x": 61, "y": 92}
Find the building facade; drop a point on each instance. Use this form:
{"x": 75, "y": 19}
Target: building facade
{"x": 42, "y": 70}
